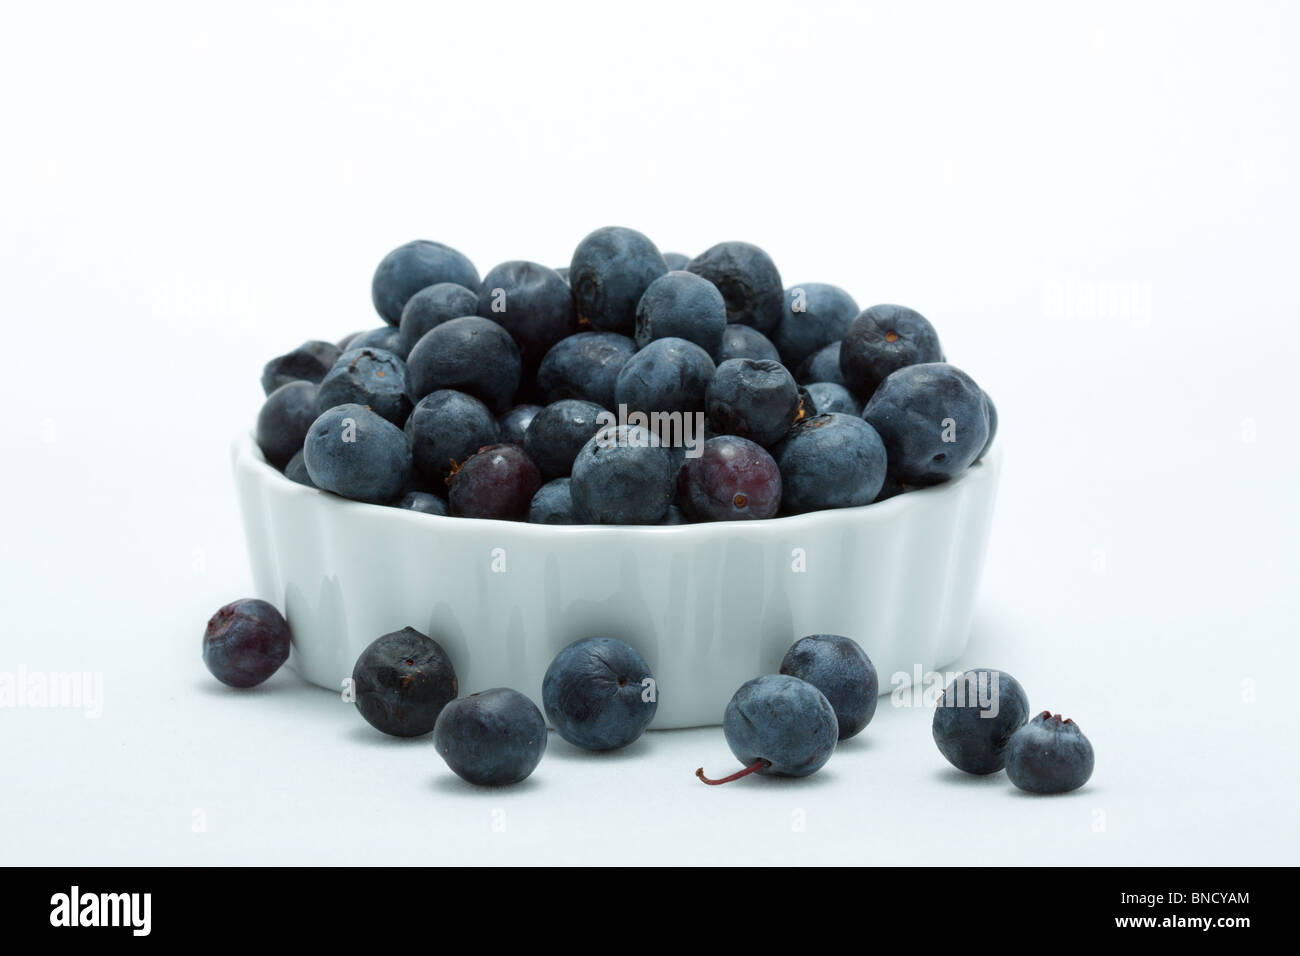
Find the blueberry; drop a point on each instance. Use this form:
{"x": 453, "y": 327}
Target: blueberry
{"x": 532, "y": 303}
{"x": 308, "y": 362}
{"x": 682, "y": 305}
{"x": 585, "y": 365}
{"x": 748, "y": 280}
{"x": 813, "y": 315}
{"x": 245, "y": 643}
{"x": 674, "y": 516}
{"x": 778, "y": 724}
{"x": 883, "y": 339}
{"x": 1049, "y": 755}
{"x": 828, "y": 397}
{"x": 425, "y": 502}
{"x": 432, "y": 306}
{"x": 990, "y": 412}
{"x": 932, "y": 420}
{"x": 514, "y": 423}
{"x": 402, "y": 682}
{"x": 830, "y": 461}
{"x": 497, "y": 482}
{"x": 296, "y": 470}
{"x": 558, "y": 432}
{"x": 610, "y": 271}
{"x": 356, "y": 453}
{"x": 740, "y": 341}
{"x": 822, "y": 366}
{"x": 367, "y": 376}
{"x": 492, "y": 738}
{"x": 563, "y": 273}
{"x": 754, "y": 399}
{"x": 599, "y": 694}
{"x": 470, "y": 354}
{"x": 283, "y": 422}
{"x": 668, "y": 375}
{"x": 346, "y": 341}
{"x": 553, "y": 504}
{"x": 975, "y": 718}
{"x": 839, "y": 668}
{"x": 676, "y": 261}
{"x": 409, "y": 268}
{"x": 623, "y": 476}
{"x": 386, "y": 337}
{"x": 447, "y": 427}
{"x": 733, "y": 479}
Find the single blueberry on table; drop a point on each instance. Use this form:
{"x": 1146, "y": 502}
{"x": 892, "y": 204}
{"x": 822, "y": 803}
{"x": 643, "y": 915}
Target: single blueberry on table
{"x": 498, "y": 482}
{"x": 386, "y": 337}
{"x": 414, "y": 266}
{"x": 586, "y": 366}
{"x": 676, "y": 261}
{"x": 748, "y": 280}
{"x": 975, "y": 718}
{"x": 245, "y": 642}
{"x": 932, "y": 419}
{"x": 668, "y": 375}
{"x": 493, "y": 738}
{"x": 553, "y": 504}
{"x": 470, "y": 354}
{"x": 358, "y": 454}
{"x": 740, "y": 341}
{"x": 828, "y": 397}
{"x": 734, "y": 479}
{"x": 610, "y": 271}
{"x": 623, "y": 476}
{"x": 839, "y": 668}
{"x": 532, "y": 302}
{"x": 682, "y": 305}
{"x": 425, "y": 502}
{"x": 296, "y": 470}
{"x": 367, "y": 376}
{"x": 283, "y": 422}
{"x": 822, "y": 366}
{"x": 781, "y": 725}
{"x": 308, "y": 362}
{"x": 830, "y": 461}
{"x": 881, "y": 340}
{"x": 596, "y": 694}
{"x": 754, "y": 399}
{"x": 445, "y": 428}
{"x": 990, "y": 412}
{"x": 514, "y": 423}
{"x": 402, "y": 682}
{"x": 558, "y": 432}
{"x": 813, "y": 315}
{"x": 433, "y": 306}
{"x": 1049, "y": 755}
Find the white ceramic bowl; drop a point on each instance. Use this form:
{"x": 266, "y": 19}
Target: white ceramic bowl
{"x": 709, "y": 606}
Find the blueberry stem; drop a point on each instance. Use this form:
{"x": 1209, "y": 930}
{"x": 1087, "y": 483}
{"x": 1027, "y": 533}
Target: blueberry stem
{"x": 755, "y": 766}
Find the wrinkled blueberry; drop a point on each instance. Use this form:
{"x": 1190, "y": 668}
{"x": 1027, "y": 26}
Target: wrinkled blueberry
{"x": 402, "y": 682}
{"x": 532, "y": 303}
{"x": 445, "y": 428}
{"x": 813, "y": 315}
{"x": 245, "y": 643}
{"x": 1049, "y": 755}
{"x": 366, "y": 376}
{"x": 681, "y": 305}
{"x": 586, "y": 366}
{"x": 623, "y": 476}
{"x": 830, "y": 461}
{"x": 498, "y": 482}
{"x": 781, "y": 725}
{"x": 599, "y": 694}
{"x": 610, "y": 271}
{"x": 839, "y": 668}
{"x": 754, "y": 399}
{"x": 358, "y": 454}
{"x": 493, "y": 738}
{"x": 748, "y": 280}
{"x": 558, "y": 432}
{"x": 470, "y": 354}
{"x": 308, "y": 363}
{"x": 283, "y": 422}
{"x": 733, "y": 479}
{"x": 413, "y": 266}
{"x": 883, "y": 339}
{"x": 975, "y": 718}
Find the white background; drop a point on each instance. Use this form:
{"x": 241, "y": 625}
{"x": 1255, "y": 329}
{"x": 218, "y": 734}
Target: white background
{"x": 1097, "y": 207}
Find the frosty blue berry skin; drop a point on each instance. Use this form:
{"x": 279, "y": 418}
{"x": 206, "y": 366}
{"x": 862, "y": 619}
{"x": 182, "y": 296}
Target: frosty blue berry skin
{"x": 553, "y": 504}
{"x": 373, "y": 377}
{"x": 822, "y": 366}
{"x": 446, "y": 428}
{"x": 283, "y": 421}
{"x": 1049, "y": 755}
{"x": 684, "y": 306}
{"x": 355, "y": 453}
{"x": 754, "y": 399}
{"x": 883, "y": 339}
{"x": 610, "y": 271}
{"x": 976, "y": 717}
{"x": 470, "y": 354}
{"x": 494, "y": 738}
{"x": 740, "y": 341}
{"x": 308, "y": 362}
{"x": 532, "y": 302}
{"x": 839, "y": 668}
{"x": 402, "y": 682}
{"x": 827, "y": 397}
{"x": 245, "y": 642}
{"x": 432, "y": 306}
{"x": 748, "y": 280}
{"x": 668, "y": 375}
{"x": 830, "y": 461}
{"x": 813, "y": 315}
{"x": 585, "y": 366}
{"x": 780, "y": 725}
{"x": 414, "y": 266}
{"x": 558, "y": 432}
{"x": 623, "y": 476}
{"x": 595, "y": 694}
{"x": 386, "y": 337}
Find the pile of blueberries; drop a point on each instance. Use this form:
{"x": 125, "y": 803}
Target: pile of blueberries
{"x": 599, "y": 694}
{"x": 569, "y": 396}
